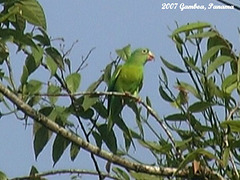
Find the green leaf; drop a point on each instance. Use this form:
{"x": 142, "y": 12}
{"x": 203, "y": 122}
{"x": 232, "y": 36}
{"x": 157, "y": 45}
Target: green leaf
{"x": 59, "y": 146}
{"x": 33, "y": 87}
{"x": 229, "y": 83}
{"x": 37, "y": 53}
{"x": 52, "y": 66}
{"x": 217, "y": 63}
{"x": 120, "y": 173}
{"x": 32, "y": 11}
{"x": 108, "y": 137}
{"x": 176, "y": 117}
{"x": 3, "y": 176}
{"x": 191, "y": 27}
{"x": 226, "y": 154}
{"x": 41, "y": 138}
{"x": 210, "y": 53}
{"x": 25, "y": 75}
{"x": 155, "y": 146}
{"x": 101, "y": 109}
{"x": 164, "y": 95}
{"x": 233, "y": 125}
{"x": 73, "y": 82}
{"x": 171, "y": 66}
{"x": 52, "y": 91}
{"x": 125, "y": 52}
{"x": 190, "y": 88}
{"x": 199, "y": 106}
{"x": 90, "y": 100}
{"x": 98, "y": 139}
{"x": 43, "y": 38}
{"x": 33, "y": 170}
{"x": 195, "y": 155}
{"x": 108, "y": 73}
{"x": 164, "y": 74}
{"x": 143, "y": 176}
{"x": 74, "y": 150}
{"x": 56, "y": 56}
{"x": 202, "y": 35}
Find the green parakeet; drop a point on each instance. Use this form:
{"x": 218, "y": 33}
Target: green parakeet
{"x": 127, "y": 78}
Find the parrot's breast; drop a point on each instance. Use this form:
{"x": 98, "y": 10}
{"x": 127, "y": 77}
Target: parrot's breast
{"x": 130, "y": 78}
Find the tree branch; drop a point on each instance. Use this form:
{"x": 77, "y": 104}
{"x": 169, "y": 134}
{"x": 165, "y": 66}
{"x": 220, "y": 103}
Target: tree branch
{"x": 65, "y": 171}
{"x": 229, "y": 4}
{"x": 51, "y": 125}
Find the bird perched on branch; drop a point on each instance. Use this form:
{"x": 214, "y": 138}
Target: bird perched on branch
{"x": 127, "y": 78}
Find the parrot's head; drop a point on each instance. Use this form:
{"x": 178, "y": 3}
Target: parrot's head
{"x": 142, "y": 55}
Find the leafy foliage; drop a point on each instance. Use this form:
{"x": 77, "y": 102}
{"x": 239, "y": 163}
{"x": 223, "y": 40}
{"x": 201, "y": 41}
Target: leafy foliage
{"x": 202, "y": 128}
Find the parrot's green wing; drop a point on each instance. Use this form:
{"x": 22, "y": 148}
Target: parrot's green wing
{"x": 127, "y": 78}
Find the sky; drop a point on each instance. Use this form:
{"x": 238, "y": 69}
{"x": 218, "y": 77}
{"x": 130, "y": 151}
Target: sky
{"x": 108, "y": 25}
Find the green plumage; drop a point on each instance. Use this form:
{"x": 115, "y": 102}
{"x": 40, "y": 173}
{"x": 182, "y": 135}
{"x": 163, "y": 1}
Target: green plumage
{"x": 127, "y": 78}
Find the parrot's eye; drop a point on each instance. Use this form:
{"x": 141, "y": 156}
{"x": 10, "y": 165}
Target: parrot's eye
{"x": 144, "y": 51}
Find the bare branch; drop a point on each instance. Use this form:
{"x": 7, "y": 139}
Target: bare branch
{"x": 229, "y": 4}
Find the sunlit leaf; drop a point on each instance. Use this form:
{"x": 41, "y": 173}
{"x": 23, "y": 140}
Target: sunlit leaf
{"x": 32, "y": 11}
{"x": 234, "y": 125}
{"x": 217, "y": 63}
{"x": 226, "y": 154}
{"x": 33, "y": 86}
{"x": 210, "y": 53}
{"x": 52, "y": 66}
{"x": 73, "y": 82}
{"x": 56, "y": 56}
{"x": 52, "y": 91}
{"x": 202, "y": 35}
{"x": 3, "y": 176}
{"x": 125, "y": 52}
{"x": 190, "y": 27}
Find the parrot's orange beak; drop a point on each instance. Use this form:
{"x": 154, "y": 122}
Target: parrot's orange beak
{"x": 150, "y": 56}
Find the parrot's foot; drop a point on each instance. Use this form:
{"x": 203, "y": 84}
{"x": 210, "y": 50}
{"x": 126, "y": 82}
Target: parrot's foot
{"x": 136, "y": 97}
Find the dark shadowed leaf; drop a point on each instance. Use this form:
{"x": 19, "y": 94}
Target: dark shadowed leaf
{"x": 120, "y": 173}
{"x": 41, "y": 138}
{"x": 171, "y": 66}
{"x": 199, "y": 106}
{"x": 59, "y": 146}
{"x": 74, "y": 150}
{"x": 108, "y": 137}
{"x": 164, "y": 95}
